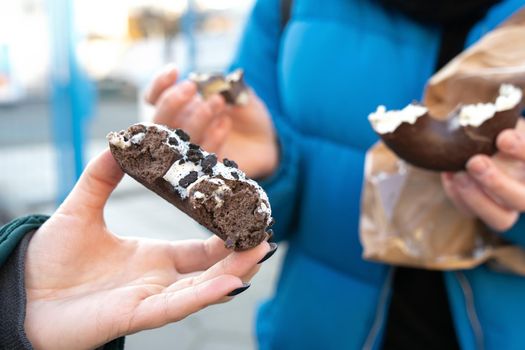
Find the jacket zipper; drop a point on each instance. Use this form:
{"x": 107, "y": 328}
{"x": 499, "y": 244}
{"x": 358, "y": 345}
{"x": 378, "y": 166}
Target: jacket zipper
{"x": 380, "y": 312}
{"x": 471, "y": 310}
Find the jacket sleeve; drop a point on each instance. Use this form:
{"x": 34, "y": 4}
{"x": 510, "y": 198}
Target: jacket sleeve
{"x": 13, "y": 232}
{"x": 14, "y": 240}
{"x": 258, "y": 55}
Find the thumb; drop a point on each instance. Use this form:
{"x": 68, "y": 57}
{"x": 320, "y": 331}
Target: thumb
{"x": 94, "y": 187}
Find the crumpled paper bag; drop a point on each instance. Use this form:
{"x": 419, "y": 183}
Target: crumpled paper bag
{"x": 406, "y": 218}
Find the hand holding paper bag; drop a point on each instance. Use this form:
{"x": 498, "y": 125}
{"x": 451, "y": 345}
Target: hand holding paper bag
{"x": 493, "y": 188}
{"x": 407, "y": 216}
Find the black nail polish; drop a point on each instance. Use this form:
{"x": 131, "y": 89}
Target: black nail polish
{"x": 239, "y": 290}
{"x": 273, "y": 248}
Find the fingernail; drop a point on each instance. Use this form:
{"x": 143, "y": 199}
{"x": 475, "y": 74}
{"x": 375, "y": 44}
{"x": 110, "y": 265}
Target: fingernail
{"x": 478, "y": 166}
{"x": 239, "y": 290}
{"x": 462, "y": 180}
{"x": 273, "y": 249}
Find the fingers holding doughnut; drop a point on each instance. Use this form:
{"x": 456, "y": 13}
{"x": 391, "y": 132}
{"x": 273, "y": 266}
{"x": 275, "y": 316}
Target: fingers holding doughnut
{"x": 482, "y": 205}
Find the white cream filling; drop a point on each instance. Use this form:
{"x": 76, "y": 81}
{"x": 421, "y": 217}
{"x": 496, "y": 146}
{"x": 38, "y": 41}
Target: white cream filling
{"x": 384, "y": 121}
{"x": 199, "y": 195}
{"x": 137, "y": 138}
{"x": 218, "y": 195}
{"x": 477, "y": 114}
{"x": 509, "y": 97}
{"x": 235, "y": 75}
{"x": 117, "y": 140}
{"x": 177, "y": 172}
{"x": 263, "y": 208}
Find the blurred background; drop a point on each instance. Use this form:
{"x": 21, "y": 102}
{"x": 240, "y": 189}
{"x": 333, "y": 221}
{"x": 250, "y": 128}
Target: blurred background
{"x": 73, "y": 70}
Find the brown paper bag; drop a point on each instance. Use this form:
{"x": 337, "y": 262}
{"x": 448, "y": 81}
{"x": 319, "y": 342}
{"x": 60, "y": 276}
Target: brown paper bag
{"x": 406, "y": 218}
{"x": 474, "y": 75}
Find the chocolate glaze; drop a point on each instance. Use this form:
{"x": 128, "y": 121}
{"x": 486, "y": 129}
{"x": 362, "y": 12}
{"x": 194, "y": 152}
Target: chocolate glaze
{"x": 445, "y": 145}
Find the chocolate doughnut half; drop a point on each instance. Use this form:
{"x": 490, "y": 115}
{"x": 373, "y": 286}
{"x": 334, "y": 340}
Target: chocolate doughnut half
{"x": 446, "y": 145}
{"x": 231, "y": 86}
{"x": 215, "y": 194}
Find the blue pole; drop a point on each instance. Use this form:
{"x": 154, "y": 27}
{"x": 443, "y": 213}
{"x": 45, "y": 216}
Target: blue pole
{"x": 188, "y": 27}
{"x": 72, "y": 97}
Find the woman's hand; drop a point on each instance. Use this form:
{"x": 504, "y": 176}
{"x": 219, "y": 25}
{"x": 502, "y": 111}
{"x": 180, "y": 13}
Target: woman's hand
{"x": 242, "y": 133}
{"x": 86, "y": 286}
{"x": 493, "y": 188}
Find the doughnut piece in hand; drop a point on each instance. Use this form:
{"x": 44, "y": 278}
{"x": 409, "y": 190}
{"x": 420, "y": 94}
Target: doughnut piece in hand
{"x": 217, "y": 195}
{"x": 446, "y": 145}
{"x": 230, "y": 86}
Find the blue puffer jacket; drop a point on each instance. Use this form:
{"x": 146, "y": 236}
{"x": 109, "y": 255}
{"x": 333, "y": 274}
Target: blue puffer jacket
{"x": 332, "y": 65}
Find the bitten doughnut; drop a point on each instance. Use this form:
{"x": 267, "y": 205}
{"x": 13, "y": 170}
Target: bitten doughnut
{"x": 231, "y": 86}
{"x": 446, "y": 145}
{"x": 216, "y": 194}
